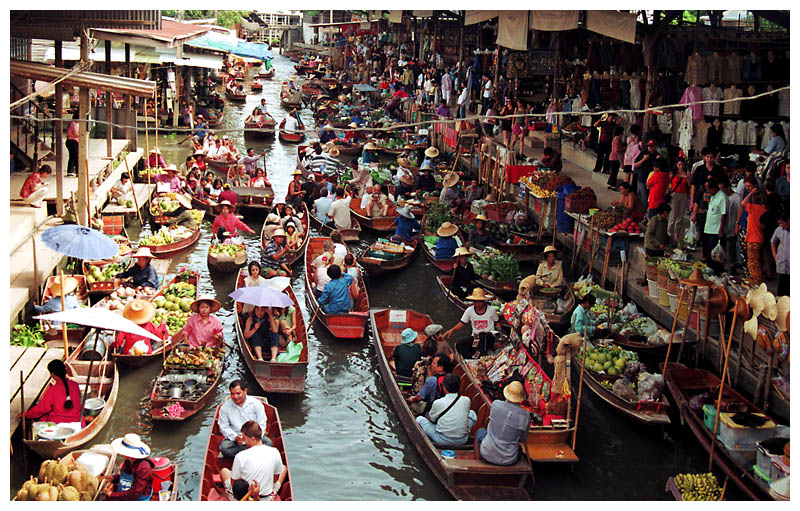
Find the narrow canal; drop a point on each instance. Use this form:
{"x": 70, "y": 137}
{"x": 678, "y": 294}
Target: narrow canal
{"x": 343, "y": 438}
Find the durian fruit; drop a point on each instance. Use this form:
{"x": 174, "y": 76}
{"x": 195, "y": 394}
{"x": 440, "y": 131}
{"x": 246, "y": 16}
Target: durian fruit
{"x": 69, "y": 493}
{"x": 44, "y": 492}
{"x": 91, "y": 483}
{"x": 22, "y": 495}
{"x": 53, "y": 493}
{"x": 85, "y": 496}
{"x": 32, "y": 486}
{"x": 76, "y": 479}
{"x": 59, "y": 473}
{"x": 46, "y": 471}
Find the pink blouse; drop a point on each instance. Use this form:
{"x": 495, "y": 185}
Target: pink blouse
{"x": 202, "y": 334}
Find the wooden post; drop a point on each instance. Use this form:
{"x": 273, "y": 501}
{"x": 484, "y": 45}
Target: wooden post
{"x": 109, "y": 104}
{"x": 554, "y": 212}
{"x": 672, "y": 332}
{"x": 35, "y": 272}
{"x": 722, "y": 387}
{"x": 580, "y": 391}
{"x": 461, "y": 43}
{"x": 63, "y": 323}
{"x": 605, "y": 262}
{"x": 130, "y": 117}
{"x": 59, "y": 136}
{"x": 83, "y": 141}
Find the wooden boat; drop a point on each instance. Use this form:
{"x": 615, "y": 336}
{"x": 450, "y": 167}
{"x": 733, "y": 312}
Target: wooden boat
{"x": 104, "y": 382}
{"x": 383, "y": 224}
{"x": 291, "y": 137}
{"x": 644, "y": 412}
{"x": 213, "y": 121}
{"x": 221, "y": 169}
{"x": 279, "y": 377}
{"x": 376, "y": 260}
{"x": 502, "y": 289}
{"x": 351, "y": 234}
{"x": 292, "y": 256}
{"x": 290, "y": 98}
{"x": 256, "y": 86}
{"x": 74, "y": 332}
{"x": 266, "y": 75}
{"x": 169, "y": 250}
{"x": 352, "y": 325}
{"x": 111, "y": 460}
{"x": 652, "y": 353}
{"x": 544, "y": 443}
{"x": 224, "y": 263}
{"x": 266, "y": 129}
{"x": 443, "y": 265}
{"x": 444, "y": 282}
{"x": 191, "y": 405}
{"x": 466, "y": 477}
{"x": 254, "y": 198}
{"x": 205, "y": 205}
{"x": 547, "y": 304}
{"x": 684, "y": 384}
{"x": 349, "y": 149}
{"x": 211, "y": 487}
{"x": 235, "y": 95}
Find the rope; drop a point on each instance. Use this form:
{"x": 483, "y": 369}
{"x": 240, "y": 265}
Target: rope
{"x": 395, "y": 127}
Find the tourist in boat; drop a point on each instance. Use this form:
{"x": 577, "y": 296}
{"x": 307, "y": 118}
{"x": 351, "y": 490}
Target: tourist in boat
{"x": 406, "y": 354}
{"x": 550, "y": 273}
{"x": 290, "y": 121}
{"x": 140, "y": 312}
{"x": 142, "y": 273}
{"x": 321, "y": 208}
{"x": 339, "y": 248}
{"x": 234, "y": 413}
{"x": 216, "y": 189}
{"x": 656, "y": 239}
{"x": 272, "y": 223}
{"x": 200, "y": 160}
{"x": 336, "y": 296}
{"x": 321, "y": 264}
{"x": 228, "y": 195}
{"x": 339, "y": 210}
{"x": 289, "y": 217}
{"x": 34, "y": 189}
{"x": 273, "y": 257}
{"x": 256, "y": 117}
{"x": 259, "y": 180}
{"x": 449, "y": 193}
{"x": 261, "y": 331}
{"x": 426, "y": 182}
{"x": 253, "y": 279}
{"x": 293, "y": 239}
{"x": 450, "y": 418}
{"x": 432, "y": 388}
{"x": 351, "y": 268}
{"x": 370, "y": 154}
{"x": 498, "y": 443}
{"x": 53, "y": 304}
{"x": 187, "y": 165}
{"x": 135, "y": 478}
{"x": 295, "y": 194}
{"x": 257, "y": 462}
{"x": 155, "y": 160}
{"x": 433, "y": 332}
{"x": 61, "y": 401}
{"x": 250, "y": 161}
{"x": 122, "y": 192}
{"x": 482, "y": 318}
{"x": 286, "y": 318}
{"x": 377, "y": 204}
{"x": 408, "y": 227}
{"x": 202, "y": 329}
{"x": 583, "y": 319}
{"x": 215, "y": 149}
{"x": 229, "y": 222}
{"x": 446, "y": 245}
{"x": 464, "y": 275}
{"x": 479, "y": 235}
{"x": 421, "y": 369}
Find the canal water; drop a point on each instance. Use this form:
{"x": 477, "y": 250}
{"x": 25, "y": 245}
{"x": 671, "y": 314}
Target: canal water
{"x": 343, "y": 438}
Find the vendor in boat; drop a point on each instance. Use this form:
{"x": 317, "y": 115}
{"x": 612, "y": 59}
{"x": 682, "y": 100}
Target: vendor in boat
{"x": 261, "y": 331}
{"x": 171, "y": 178}
{"x": 135, "y": 478}
{"x": 200, "y": 128}
{"x": 362, "y": 179}
{"x": 472, "y": 192}
{"x": 464, "y": 275}
{"x": 450, "y": 418}
{"x": 583, "y": 319}
{"x": 155, "y": 160}
{"x": 228, "y": 195}
{"x": 370, "y": 154}
{"x": 326, "y": 134}
{"x": 202, "y": 329}
{"x": 446, "y": 245}
{"x": 259, "y": 180}
{"x": 140, "y": 312}
{"x": 337, "y": 298}
{"x": 499, "y": 443}
{"x": 53, "y": 304}
{"x": 406, "y": 182}
{"x": 250, "y": 161}
{"x": 406, "y": 354}
{"x": 449, "y": 193}
{"x": 229, "y": 222}
{"x": 258, "y": 462}
{"x": 479, "y": 235}
{"x": 353, "y": 136}
{"x": 234, "y": 413}
{"x": 122, "y": 192}
{"x": 142, "y": 273}
{"x": 295, "y": 194}
{"x": 550, "y": 273}
{"x": 426, "y": 182}
{"x": 377, "y": 204}
{"x": 408, "y": 227}
{"x": 431, "y": 154}
{"x": 482, "y": 318}
{"x": 183, "y": 215}
{"x": 61, "y": 401}
{"x": 273, "y": 257}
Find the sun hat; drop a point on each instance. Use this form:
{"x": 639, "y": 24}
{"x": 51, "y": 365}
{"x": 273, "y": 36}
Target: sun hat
{"x": 333, "y": 152}
{"x": 408, "y": 335}
{"x": 273, "y": 218}
{"x": 139, "y": 311}
{"x": 769, "y": 306}
{"x": 143, "y": 252}
{"x": 70, "y": 285}
{"x": 514, "y": 392}
{"x": 782, "y": 312}
{"x": 751, "y": 326}
{"x": 407, "y": 180}
{"x": 447, "y": 229}
{"x": 370, "y": 147}
{"x": 199, "y": 153}
{"x": 278, "y": 232}
{"x": 322, "y": 259}
{"x": 426, "y": 165}
{"x": 131, "y": 446}
{"x": 183, "y": 200}
{"x": 478, "y": 295}
{"x": 450, "y": 180}
{"x": 155, "y": 150}
{"x": 462, "y": 251}
{"x": 548, "y": 248}
{"x": 171, "y": 167}
{"x": 409, "y": 147}
{"x": 405, "y": 212}
{"x": 309, "y": 150}
{"x": 327, "y": 126}
{"x": 226, "y": 203}
{"x": 431, "y": 152}
{"x": 481, "y": 217}
{"x": 214, "y": 304}
{"x": 433, "y": 329}
{"x": 297, "y": 172}
{"x": 352, "y": 125}
{"x": 342, "y": 98}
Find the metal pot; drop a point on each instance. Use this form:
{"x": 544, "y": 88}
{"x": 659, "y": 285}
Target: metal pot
{"x": 176, "y": 392}
{"x": 190, "y": 384}
{"x": 93, "y": 406}
{"x": 94, "y": 349}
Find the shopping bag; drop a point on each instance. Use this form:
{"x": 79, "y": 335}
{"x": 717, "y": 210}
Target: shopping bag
{"x": 718, "y": 253}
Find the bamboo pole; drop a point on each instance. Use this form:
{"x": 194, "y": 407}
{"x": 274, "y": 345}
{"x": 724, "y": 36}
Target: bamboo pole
{"x": 672, "y": 332}
{"x": 686, "y": 325}
{"x": 36, "y": 296}
{"x": 133, "y": 186}
{"x": 22, "y": 401}
{"x": 580, "y": 392}
{"x": 554, "y": 212}
{"x": 605, "y": 263}
{"x": 721, "y": 388}
{"x": 63, "y": 323}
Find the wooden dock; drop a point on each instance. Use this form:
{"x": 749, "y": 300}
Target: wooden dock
{"x": 32, "y": 363}
{"x": 142, "y": 192}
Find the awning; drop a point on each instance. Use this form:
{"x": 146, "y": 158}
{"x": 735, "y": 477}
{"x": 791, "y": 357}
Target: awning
{"x": 240, "y": 47}
{"x": 473, "y": 17}
{"x": 512, "y": 30}
{"x": 139, "y": 54}
{"x": 172, "y": 34}
{"x": 553, "y": 21}
{"x": 619, "y": 25}
{"x": 423, "y": 14}
{"x": 118, "y": 84}
{"x": 395, "y": 16}
{"x": 193, "y": 60}
{"x": 364, "y": 87}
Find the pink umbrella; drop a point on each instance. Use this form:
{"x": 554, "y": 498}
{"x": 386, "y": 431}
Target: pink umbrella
{"x": 102, "y": 319}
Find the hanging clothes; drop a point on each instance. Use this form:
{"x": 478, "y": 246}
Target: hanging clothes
{"x": 741, "y": 128}
{"x": 765, "y": 137}
{"x": 715, "y": 64}
{"x": 729, "y": 132}
{"x": 686, "y": 131}
{"x": 677, "y": 117}
{"x": 636, "y": 95}
{"x": 693, "y": 95}
{"x": 696, "y": 70}
{"x": 731, "y": 108}
{"x": 625, "y": 93}
{"x": 714, "y": 137}
{"x": 616, "y": 92}
{"x": 701, "y": 134}
{"x": 732, "y": 69}
{"x": 751, "y": 134}
{"x": 786, "y": 132}
{"x": 664, "y": 122}
{"x": 783, "y": 103}
{"x": 751, "y": 67}
{"x": 712, "y": 93}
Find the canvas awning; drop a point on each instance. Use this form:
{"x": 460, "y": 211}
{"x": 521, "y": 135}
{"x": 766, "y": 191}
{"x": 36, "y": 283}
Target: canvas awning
{"x": 619, "y": 25}
{"x": 472, "y": 17}
{"x": 512, "y": 30}
{"x": 171, "y": 35}
{"x": 118, "y": 84}
{"x": 193, "y": 60}
{"x": 139, "y": 54}
{"x": 230, "y": 44}
{"x": 553, "y": 21}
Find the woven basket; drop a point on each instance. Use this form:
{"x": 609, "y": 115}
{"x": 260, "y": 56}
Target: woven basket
{"x": 673, "y": 287}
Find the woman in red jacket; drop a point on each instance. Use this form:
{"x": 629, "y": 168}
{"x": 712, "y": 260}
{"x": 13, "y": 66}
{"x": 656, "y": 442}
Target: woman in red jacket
{"x": 140, "y": 312}
{"x": 61, "y": 401}
{"x": 658, "y": 183}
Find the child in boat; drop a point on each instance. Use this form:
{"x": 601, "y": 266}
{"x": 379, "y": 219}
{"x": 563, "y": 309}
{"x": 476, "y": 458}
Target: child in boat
{"x": 292, "y": 237}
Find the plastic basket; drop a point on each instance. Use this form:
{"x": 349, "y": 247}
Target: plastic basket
{"x": 652, "y": 288}
{"x": 663, "y": 298}
{"x": 673, "y": 302}
{"x": 497, "y": 211}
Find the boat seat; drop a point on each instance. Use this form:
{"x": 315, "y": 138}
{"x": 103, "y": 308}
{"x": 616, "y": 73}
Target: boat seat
{"x": 467, "y": 445}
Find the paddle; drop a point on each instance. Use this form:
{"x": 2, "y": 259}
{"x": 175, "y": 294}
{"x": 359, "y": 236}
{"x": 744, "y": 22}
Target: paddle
{"x": 88, "y": 377}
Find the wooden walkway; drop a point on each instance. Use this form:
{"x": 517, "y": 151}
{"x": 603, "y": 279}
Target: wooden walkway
{"x": 142, "y": 191}
{"x": 32, "y": 362}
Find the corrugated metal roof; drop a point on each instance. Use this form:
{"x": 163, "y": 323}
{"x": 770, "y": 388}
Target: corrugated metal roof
{"x": 171, "y": 33}
{"x": 66, "y": 24}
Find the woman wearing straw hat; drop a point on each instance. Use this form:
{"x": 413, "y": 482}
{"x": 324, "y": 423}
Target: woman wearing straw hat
{"x": 135, "y": 479}
{"x": 273, "y": 257}
{"x": 171, "y": 178}
{"x": 405, "y": 183}
{"x": 431, "y": 154}
{"x": 54, "y": 304}
{"x": 479, "y": 235}
{"x": 550, "y": 273}
{"x": 449, "y": 193}
{"x": 482, "y": 318}
{"x": 155, "y": 160}
{"x": 61, "y": 400}
{"x": 464, "y": 275}
{"x": 183, "y": 214}
{"x": 229, "y": 222}
{"x": 353, "y": 135}
{"x": 498, "y": 444}
{"x": 370, "y": 154}
{"x": 295, "y": 194}
{"x": 202, "y": 329}
{"x": 140, "y": 312}
{"x": 407, "y": 226}
{"x": 326, "y": 134}
{"x": 446, "y": 245}
{"x": 142, "y": 273}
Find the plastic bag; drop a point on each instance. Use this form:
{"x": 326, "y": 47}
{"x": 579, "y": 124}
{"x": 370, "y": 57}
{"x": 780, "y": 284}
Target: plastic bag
{"x": 631, "y": 309}
{"x": 718, "y": 253}
{"x": 624, "y": 389}
{"x": 292, "y": 353}
{"x": 691, "y": 234}
{"x": 650, "y": 386}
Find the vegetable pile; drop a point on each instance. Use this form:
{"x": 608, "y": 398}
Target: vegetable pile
{"x": 698, "y": 486}
{"x": 610, "y": 217}
{"x": 582, "y": 200}
{"x": 610, "y": 361}
{"x": 195, "y": 357}
{"x": 23, "y": 335}
{"x": 228, "y": 250}
{"x": 166, "y": 203}
{"x": 497, "y": 266}
{"x": 103, "y": 273}
{"x": 436, "y": 214}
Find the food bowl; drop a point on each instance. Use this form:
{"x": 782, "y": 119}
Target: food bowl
{"x": 92, "y": 407}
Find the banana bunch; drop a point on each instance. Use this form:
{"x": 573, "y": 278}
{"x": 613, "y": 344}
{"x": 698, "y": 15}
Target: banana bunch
{"x": 698, "y": 486}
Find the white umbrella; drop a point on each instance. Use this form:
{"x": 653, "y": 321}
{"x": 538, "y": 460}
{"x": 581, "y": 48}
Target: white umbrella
{"x": 97, "y": 317}
{"x": 277, "y": 283}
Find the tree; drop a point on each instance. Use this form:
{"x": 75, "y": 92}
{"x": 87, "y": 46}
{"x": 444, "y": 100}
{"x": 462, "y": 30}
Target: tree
{"x": 228, "y": 19}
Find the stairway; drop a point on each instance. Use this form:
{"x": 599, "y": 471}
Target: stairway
{"x": 23, "y": 145}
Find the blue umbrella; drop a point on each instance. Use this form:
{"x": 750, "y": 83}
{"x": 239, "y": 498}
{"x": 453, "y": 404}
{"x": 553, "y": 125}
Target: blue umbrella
{"x": 80, "y": 242}
{"x": 261, "y": 296}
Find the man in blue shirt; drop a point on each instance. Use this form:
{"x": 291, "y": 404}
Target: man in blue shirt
{"x": 143, "y": 274}
{"x": 54, "y": 303}
{"x": 327, "y": 134}
{"x": 406, "y": 224}
{"x": 446, "y": 245}
{"x": 508, "y": 426}
{"x": 335, "y": 297}
{"x": 370, "y": 154}
{"x": 582, "y": 318}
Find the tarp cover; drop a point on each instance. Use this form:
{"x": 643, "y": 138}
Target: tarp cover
{"x": 395, "y": 16}
{"x": 619, "y": 25}
{"x": 473, "y": 17}
{"x": 553, "y": 20}
{"x": 512, "y": 30}
{"x": 240, "y": 47}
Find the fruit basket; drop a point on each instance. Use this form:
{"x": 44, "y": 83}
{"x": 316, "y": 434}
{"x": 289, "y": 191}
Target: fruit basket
{"x": 497, "y": 211}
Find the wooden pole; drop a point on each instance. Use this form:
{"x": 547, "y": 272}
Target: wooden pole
{"x": 554, "y": 210}
{"x": 83, "y": 138}
{"x": 133, "y": 186}
{"x": 702, "y": 343}
{"x": 109, "y": 103}
{"x": 22, "y": 401}
{"x": 35, "y": 273}
{"x": 157, "y": 119}
{"x": 63, "y": 323}
{"x": 686, "y": 325}
{"x": 721, "y": 388}
{"x": 580, "y": 392}
{"x": 605, "y": 263}
{"x": 591, "y": 244}
{"x": 672, "y": 332}
{"x": 58, "y": 140}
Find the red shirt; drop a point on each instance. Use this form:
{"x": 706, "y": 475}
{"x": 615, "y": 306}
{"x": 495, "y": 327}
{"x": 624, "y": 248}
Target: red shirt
{"x": 50, "y": 407}
{"x": 230, "y": 223}
{"x": 142, "y": 472}
{"x": 72, "y": 131}
{"x": 658, "y": 183}
{"x": 30, "y": 184}
{"x": 230, "y": 196}
{"x": 755, "y": 232}
{"x": 201, "y": 164}
{"x": 679, "y": 185}
{"x": 399, "y": 94}
{"x": 126, "y": 340}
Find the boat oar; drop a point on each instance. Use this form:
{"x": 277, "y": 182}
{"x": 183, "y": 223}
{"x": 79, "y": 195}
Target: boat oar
{"x": 672, "y": 331}
{"x": 580, "y": 391}
{"x": 721, "y": 387}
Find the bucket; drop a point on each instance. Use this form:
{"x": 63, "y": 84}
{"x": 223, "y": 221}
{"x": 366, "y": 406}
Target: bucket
{"x": 673, "y": 302}
{"x": 663, "y": 298}
{"x": 683, "y": 313}
{"x": 652, "y": 288}
{"x": 94, "y": 349}
{"x": 162, "y": 472}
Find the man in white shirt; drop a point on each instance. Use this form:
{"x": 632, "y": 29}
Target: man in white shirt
{"x": 462, "y": 103}
{"x": 258, "y": 462}
{"x": 482, "y": 318}
{"x": 234, "y": 413}
{"x": 214, "y": 150}
{"x": 291, "y": 122}
{"x": 339, "y": 211}
{"x": 450, "y": 418}
{"x": 487, "y": 93}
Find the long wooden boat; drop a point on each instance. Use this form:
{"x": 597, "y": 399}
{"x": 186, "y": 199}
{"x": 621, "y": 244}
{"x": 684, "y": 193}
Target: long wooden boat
{"x": 225, "y": 263}
{"x": 256, "y": 86}
{"x": 377, "y": 261}
{"x": 652, "y": 353}
{"x": 234, "y": 95}
{"x": 265, "y": 129}
{"x": 351, "y": 234}
{"x": 444, "y": 282}
{"x": 221, "y": 169}
{"x": 267, "y": 75}
{"x": 643, "y": 412}
{"x": 352, "y": 325}
{"x": 190, "y": 405}
{"x": 466, "y": 477}
{"x": 170, "y": 249}
{"x": 74, "y": 332}
{"x": 205, "y": 205}
{"x": 173, "y": 479}
{"x": 213, "y": 121}
{"x": 291, "y": 137}
{"x": 443, "y": 265}
{"x": 111, "y": 460}
{"x": 292, "y": 256}
{"x": 279, "y": 377}
{"x": 547, "y": 305}
{"x": 211, "y": 487}
{"x": 349, "y": 149}
{"x": 382, "y": 224}
{"x": 684, "y": 384}
{"x": 290, "y": 98}
{"x": 104, "y": 382}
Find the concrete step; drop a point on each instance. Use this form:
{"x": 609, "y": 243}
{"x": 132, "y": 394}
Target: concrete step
{"x": 22, "y": 220}
{"x": 21, "y": 265}
{"x": 18, "y": 298}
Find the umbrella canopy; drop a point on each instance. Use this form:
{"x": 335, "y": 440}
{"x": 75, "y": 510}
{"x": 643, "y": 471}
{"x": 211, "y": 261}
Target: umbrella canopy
{"x": 97, "y": 317}
{"x": 277, "y": 283}
{"x": 261, "y": 296}
{"x": 81, "y": 242}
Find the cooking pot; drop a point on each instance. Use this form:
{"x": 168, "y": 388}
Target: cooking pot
{"x": 93, "y": 406}
{"x": 176, "y": 392}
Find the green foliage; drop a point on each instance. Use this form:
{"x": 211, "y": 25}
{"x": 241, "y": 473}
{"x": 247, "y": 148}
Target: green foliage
{"x": 228, "y": 19}
{"x": 436, "y": 214}
{"x": 23, "y": 335}
{"x": 498, "y": 266}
